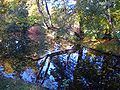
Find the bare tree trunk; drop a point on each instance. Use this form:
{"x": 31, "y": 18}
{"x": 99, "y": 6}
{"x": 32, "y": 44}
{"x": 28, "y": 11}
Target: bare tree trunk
{"x": 40, "y": 11}
{"x": 49, "y": 16}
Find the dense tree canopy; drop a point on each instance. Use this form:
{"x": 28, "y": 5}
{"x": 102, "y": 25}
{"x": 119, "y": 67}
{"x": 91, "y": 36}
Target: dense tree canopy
{"x": 29, "y": 28}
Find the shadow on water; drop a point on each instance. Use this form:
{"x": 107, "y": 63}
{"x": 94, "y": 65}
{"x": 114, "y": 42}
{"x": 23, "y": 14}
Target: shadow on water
{"x": 84, "y": 69}
{"x": 97, "y": 71}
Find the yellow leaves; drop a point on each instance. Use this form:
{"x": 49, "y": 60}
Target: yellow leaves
{"x": 35, "y": 56}
{"x": 92, "y": 55}
{"x": 116, "y": 14}
{"x": 8, "y": 68}
{"x": 5, "y": 2}
{"x": 32, "y": 8}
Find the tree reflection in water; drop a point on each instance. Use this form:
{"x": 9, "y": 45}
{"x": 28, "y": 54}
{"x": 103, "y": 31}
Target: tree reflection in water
{"x": 83, "y": 69}
{"x": 98, "y": 71}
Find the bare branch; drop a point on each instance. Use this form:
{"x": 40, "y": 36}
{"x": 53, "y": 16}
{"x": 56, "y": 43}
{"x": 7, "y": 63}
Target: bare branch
{"x": 51, "y": 55}
{"x": 38, "y": 5}
{"x": 46, "y": 71}
{"x": 46, "y": 26}
{"x": 40, "y": 70}
{"x": 47, "y": 9}
{"x": 40, "y": 11}
{"x": 54, "y": 54}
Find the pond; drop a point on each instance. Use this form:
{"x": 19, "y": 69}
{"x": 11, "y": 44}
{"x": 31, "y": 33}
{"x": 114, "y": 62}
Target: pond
{"x": 83, "y": 69}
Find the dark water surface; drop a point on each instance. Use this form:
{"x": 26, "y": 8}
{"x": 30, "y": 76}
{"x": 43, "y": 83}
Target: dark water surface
{"x": 84, "y": 69}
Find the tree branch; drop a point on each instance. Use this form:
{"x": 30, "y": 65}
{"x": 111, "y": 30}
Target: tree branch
{"x": 51, "y": 55}
{"x": 46, "y": 71}
{"x": 40, "y": 70}
{"x": 49, "y": 16}
{"x": 54, "y": 54}
{"x": 40, "y": 11}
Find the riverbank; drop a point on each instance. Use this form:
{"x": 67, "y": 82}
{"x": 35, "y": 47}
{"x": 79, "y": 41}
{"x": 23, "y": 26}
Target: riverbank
{"x": 103, "y": 45}
{"x": 10, "y": 84}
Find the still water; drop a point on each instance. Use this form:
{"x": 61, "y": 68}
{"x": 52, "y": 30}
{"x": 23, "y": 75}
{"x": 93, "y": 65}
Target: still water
{"x": 86, "y": 70}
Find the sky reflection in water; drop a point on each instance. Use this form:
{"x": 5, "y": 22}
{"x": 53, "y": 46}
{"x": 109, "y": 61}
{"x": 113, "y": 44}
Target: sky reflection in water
{"x": 29, "y": 75}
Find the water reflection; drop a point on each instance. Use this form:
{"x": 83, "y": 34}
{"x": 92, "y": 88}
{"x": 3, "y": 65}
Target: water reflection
{"x": 7, "y": 75}
{"x": 97, "y": 71}
{"x": 82, "y": 70}
{"x": 28, "y": 75}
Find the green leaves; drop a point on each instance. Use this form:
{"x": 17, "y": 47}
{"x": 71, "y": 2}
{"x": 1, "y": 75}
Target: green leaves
{"x": 98, "y": 16}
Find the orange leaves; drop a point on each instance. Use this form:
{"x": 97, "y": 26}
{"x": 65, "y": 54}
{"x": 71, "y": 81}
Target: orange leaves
{"x": 8, "y": 68}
